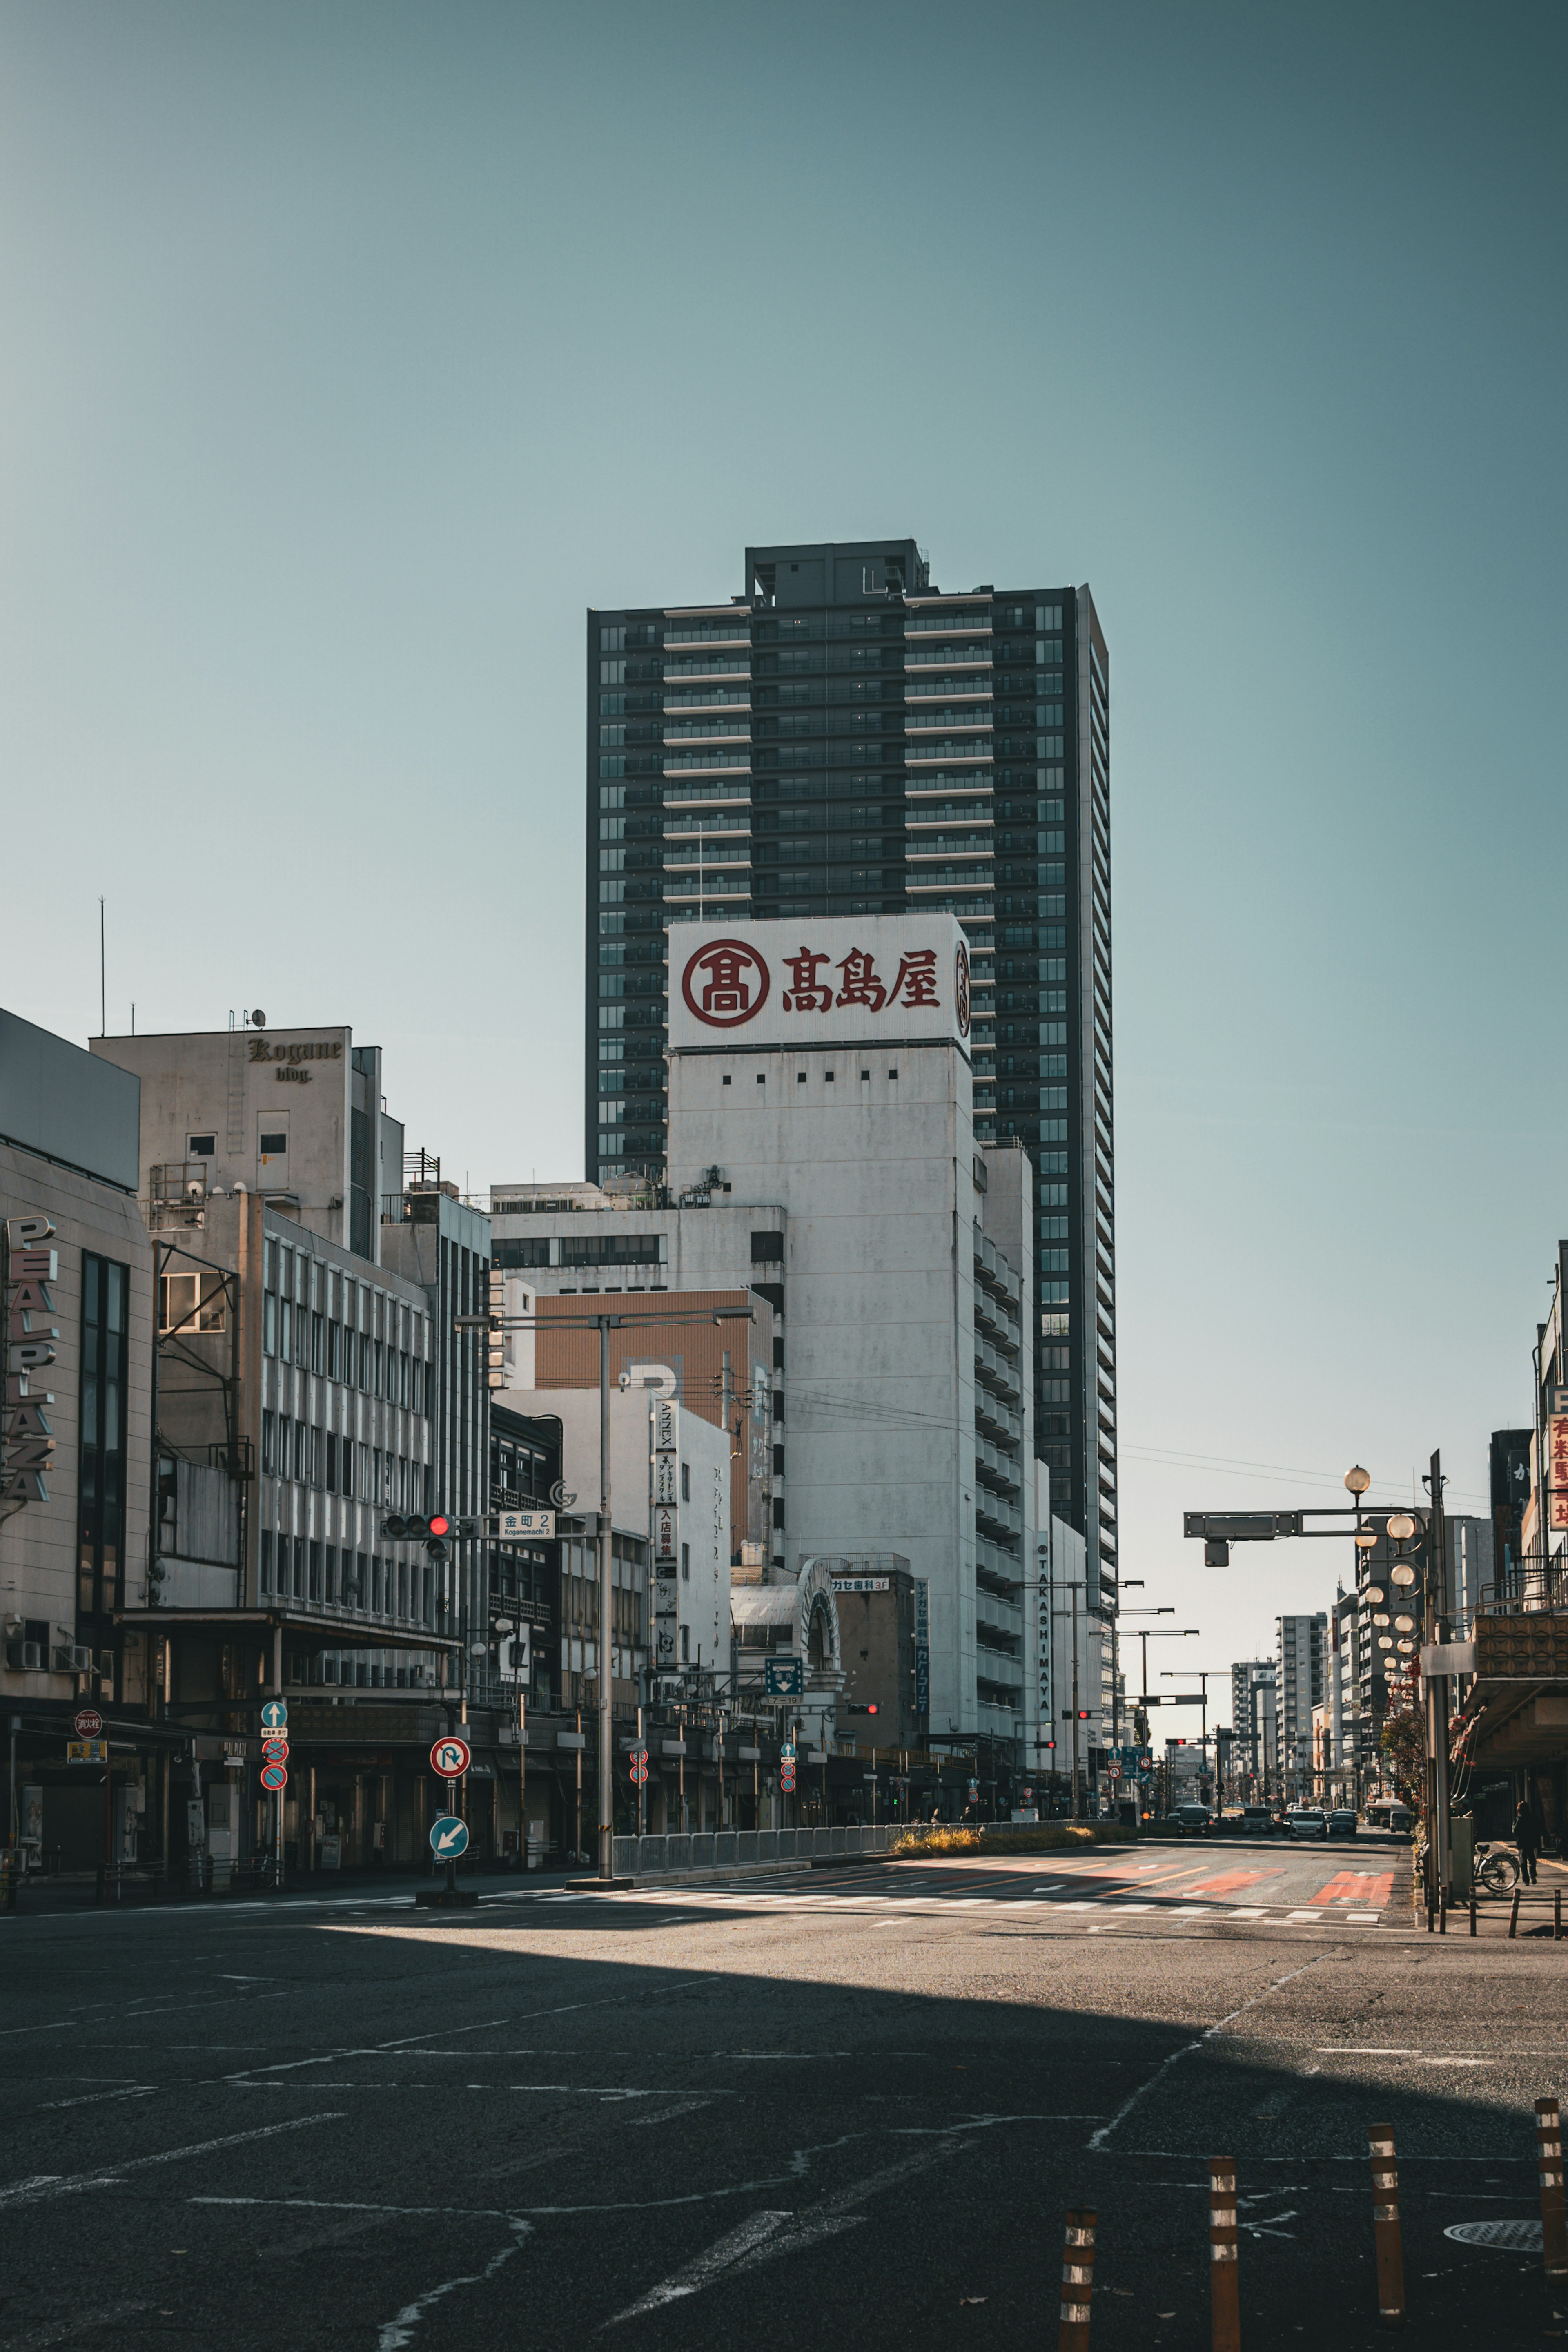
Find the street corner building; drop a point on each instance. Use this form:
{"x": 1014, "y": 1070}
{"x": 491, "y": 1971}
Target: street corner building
{"x": 75, "y": 1446}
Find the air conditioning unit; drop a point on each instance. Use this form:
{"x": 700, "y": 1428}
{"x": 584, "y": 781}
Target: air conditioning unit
{"x": 25, "y": 1657}
{"x": 72, "y": 1658}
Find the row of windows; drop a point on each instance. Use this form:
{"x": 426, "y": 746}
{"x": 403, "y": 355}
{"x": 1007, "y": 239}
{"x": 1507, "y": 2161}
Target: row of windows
{"x": 336, "y": 1352}
{"x": 338, "y": 1464}
{"x": 303, "y": 1568}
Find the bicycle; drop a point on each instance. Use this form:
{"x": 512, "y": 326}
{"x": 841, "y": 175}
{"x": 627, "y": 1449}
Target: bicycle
{"x": 1496, "y": 1869}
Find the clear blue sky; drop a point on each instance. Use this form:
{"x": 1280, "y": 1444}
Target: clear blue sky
{"x": 351, "y": 352}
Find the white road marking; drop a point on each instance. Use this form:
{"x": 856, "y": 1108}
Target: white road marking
{"x": 1097, "y": 2140}
{"x": 107, "y": 2176}
{"x": 402, "y": 2330}
{"x": 96, "y": 2098}
{"x": 695, "y": 2275}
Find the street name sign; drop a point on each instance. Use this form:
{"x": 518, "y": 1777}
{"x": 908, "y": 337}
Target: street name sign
{"x": 526, "y": 1526}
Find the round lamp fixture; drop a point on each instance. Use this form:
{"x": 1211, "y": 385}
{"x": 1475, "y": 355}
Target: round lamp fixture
{"x": 1407, "y": 1647}
{"x": 1375, "y": 1593}
{"x": 1404, "y": 1624}
{"x": 1358, "y": 1480}
{"x": 1365, "y": 1538}
{"x": 1381, "y": 1619}
{"x": 1403, "y": 1573}
{"x": 1386, "y": 1641}
{"x": 1401, "y": 1526}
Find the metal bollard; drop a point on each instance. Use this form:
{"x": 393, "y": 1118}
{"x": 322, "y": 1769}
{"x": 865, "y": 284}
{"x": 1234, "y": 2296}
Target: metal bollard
{"x": 1077, "y": 2282}
{"x": 1385, "y": 2223}
{"x": 1224, "y": 2272}
{"x": 1513, "y": 1918}
{"x": 1443, "y": 1914}
{"x": 1472, "y": 1910}
{"x": 1557, "y": 1917}
{"x": 1554, "y": 2215}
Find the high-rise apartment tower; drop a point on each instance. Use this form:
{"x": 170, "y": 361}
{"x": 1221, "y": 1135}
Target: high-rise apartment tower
{"x": 845, "y": 738}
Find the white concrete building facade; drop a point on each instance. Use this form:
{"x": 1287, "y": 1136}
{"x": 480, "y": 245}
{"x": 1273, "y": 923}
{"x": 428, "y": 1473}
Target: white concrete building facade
{"x": 822, "y": 1151}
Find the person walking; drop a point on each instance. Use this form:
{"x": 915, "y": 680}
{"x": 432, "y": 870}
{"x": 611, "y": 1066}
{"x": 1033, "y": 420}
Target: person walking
{"x": 1527, "y": 1837}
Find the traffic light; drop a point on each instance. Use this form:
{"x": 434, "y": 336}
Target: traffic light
{"x": 868, "y": 1706}
{"x": 1083, "y": 1714}
{"x": 437, "y": 1528}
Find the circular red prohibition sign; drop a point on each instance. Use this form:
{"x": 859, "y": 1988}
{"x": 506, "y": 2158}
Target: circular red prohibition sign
{"x": 962, "y": 989}
{"x": 725, "y": 984}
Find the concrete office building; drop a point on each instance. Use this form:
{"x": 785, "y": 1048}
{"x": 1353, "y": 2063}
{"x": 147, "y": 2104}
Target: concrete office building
{"x": 1252, "y": 1717}
{"x": 843, "y": 740}
{"x": 76, "y": 1441}
{"x": 311, "y": 1382}
{"x": 1299, "y": 1681}
{"x": 296, "y": 1115}
{"x": 823, "y": 1140}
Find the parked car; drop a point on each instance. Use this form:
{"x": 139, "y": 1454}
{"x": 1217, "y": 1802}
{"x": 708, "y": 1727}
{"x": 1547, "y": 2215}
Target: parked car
{"x": 1307, "y": 1820}
{"x": 1342, "y": 1823}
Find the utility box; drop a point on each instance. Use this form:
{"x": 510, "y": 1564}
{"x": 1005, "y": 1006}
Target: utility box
{"x": 1462, "y": 1854}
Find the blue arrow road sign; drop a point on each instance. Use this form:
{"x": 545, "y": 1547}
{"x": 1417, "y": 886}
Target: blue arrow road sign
{"x": 449, "y": 1837}
{"x": 273, "y": 1716}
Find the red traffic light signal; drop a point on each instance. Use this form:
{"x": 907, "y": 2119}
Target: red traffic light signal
{"x": 440, "y": 1524}
{"x": 861, "y": 1707}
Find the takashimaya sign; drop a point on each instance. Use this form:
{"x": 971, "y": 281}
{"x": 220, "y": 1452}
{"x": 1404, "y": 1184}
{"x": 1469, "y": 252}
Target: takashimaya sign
{"x": 860, "y": 978}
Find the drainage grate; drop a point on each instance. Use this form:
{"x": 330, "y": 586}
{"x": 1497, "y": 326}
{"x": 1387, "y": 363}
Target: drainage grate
{"x": 1513, "y": 2237}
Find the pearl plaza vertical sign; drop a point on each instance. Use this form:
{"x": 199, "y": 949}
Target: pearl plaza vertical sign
{"x": 859, "y": 979}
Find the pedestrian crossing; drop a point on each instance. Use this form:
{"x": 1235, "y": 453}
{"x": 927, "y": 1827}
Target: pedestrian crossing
{"x": 889, "y": 1908}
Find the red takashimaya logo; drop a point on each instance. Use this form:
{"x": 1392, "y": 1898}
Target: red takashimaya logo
{"x": 962, "y": 990}
{"x": 725, "y": 983}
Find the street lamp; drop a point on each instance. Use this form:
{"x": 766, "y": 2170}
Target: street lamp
{"x": 1358, "y": 1480}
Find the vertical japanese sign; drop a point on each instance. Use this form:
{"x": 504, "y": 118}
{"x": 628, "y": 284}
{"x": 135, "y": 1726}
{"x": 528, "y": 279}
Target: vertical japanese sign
{"x": 1045, "y": 1682}
{"x": 26, "y": 1452}
{"x": 666, "y": 1536}
{"x": 1557, "y": 1466}
{"x": 922, "y": 1646}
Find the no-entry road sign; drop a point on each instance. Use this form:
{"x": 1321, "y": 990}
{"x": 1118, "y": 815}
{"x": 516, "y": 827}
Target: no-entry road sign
{"x": 449, "y": 1837}
{"x": 450, "y": 1757}
{"x": 86, "y": 1723}
{"x": 274, "y": 1776}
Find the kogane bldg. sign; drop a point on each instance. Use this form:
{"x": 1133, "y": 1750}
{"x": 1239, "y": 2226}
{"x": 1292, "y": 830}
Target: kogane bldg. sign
{"x": 863, "y": 980}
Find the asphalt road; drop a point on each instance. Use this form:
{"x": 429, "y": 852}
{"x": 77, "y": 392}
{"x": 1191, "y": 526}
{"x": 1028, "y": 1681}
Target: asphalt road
{"x": 854, "y": 2104}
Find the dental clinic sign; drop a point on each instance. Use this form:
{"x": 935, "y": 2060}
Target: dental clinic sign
{"x": 863, "y": 980}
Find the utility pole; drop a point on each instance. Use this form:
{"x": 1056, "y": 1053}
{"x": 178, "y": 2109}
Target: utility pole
{"x": 1435, "y": 1629}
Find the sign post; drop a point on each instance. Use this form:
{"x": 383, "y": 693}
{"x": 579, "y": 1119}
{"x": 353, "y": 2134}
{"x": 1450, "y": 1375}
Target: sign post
{"x": 275, "y": 1753}
{"x": 450, "y": 1757}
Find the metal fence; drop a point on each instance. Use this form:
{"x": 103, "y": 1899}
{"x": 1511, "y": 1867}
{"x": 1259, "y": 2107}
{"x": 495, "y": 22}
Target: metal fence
{"x": 635, "y": 1857}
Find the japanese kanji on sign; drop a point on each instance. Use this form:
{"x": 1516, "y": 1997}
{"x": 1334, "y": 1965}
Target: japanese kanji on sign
{"x": 858, "y": 979}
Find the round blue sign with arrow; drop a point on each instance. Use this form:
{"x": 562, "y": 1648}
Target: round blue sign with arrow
{"x": 274, "y": 1715}
{"x": 449, "y": 1837}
